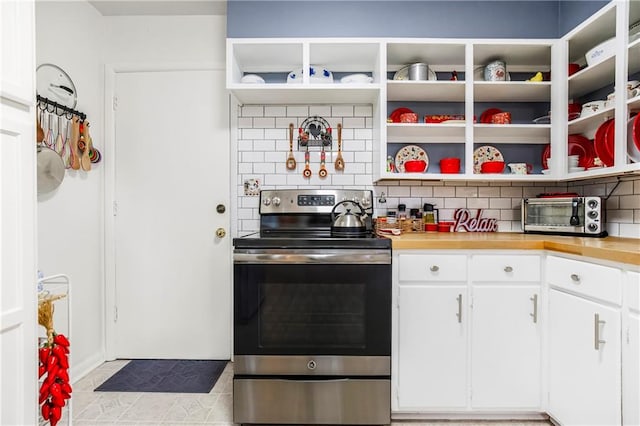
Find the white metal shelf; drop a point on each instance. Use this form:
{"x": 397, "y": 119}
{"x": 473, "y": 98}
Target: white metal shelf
{"x": 592, "y": 78}
{"x": 426, "y": 91}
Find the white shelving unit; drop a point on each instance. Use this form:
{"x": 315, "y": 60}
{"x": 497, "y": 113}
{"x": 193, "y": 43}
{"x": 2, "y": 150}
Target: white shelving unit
{"x": 380, "y": 58}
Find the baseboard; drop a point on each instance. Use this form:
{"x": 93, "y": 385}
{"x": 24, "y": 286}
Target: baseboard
{"x": 470, "y": 415}
{"x": 80, "y": 369}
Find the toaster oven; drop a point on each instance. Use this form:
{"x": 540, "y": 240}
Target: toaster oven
{"x": 579, "y": 216}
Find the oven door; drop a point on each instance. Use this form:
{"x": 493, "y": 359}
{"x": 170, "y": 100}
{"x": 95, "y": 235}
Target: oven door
{"x": 312, "y": 302}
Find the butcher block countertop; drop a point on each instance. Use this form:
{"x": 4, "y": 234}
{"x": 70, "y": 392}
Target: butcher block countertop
{"x": 624, "y": 250}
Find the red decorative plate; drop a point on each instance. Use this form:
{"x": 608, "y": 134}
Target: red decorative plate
{"x": 610, "y": 140}
{"x": 583, "y": 147}
{"x": 485, "y": 117}
{"x": 599, "y": 144}
{"x": 395, "y": 115}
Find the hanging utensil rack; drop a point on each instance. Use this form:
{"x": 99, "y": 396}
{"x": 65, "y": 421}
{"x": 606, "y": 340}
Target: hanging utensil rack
{"x": 54, "y": 107}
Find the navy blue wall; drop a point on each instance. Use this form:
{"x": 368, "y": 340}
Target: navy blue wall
{"x": 440, "y": 19}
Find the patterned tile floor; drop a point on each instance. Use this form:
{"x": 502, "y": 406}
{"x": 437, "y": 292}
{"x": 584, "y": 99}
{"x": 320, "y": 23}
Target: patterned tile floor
{"x": 215, "y": 408}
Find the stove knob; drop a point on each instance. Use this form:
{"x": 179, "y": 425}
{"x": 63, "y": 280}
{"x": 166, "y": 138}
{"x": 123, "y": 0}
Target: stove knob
{"x": 592, "y": 204}
{"x": 266, "y": 201}
{"x": 276, "y": 201}
{"x": 593, "y": 214}
{"x": 593, "y": 227}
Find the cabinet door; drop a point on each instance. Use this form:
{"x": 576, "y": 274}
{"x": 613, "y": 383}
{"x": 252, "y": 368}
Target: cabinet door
{"x": 432, "y": 347}
{"x": 584, "y": 376}
{"x": 631, "y": 372}
{"x": 505, "y": 347}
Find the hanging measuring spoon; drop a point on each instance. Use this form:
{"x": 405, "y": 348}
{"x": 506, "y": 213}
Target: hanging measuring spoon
{"x": 323, "y": 170}
{"x": 291, "y": 160}
{"x": 307, "y": 170}
{"x": 339, "y": 163}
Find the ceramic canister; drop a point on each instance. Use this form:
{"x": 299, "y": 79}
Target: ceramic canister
{"x": 495, "y": 71}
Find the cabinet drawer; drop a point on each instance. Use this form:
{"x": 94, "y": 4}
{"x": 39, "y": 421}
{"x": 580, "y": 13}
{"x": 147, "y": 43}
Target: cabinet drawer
{"x": 511, "y": 268}
{"x": 597, "y": 281}
{"x": 421, "y": 267}
{"x": 632, "y": 292}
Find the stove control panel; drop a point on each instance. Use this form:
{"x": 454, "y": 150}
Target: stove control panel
{"x": 274, "y": 201}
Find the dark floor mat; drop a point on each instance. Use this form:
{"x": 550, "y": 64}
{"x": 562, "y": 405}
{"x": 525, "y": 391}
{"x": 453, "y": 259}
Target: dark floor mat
{"x": 165, "y": 375}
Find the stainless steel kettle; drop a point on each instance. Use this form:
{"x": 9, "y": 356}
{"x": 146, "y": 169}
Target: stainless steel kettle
{"x": 348, "y": 223}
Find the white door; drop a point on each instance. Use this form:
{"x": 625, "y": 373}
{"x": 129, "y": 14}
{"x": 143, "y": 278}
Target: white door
{"x": 584, "y": 382}
{"x": 18, "y": 302}
{"x": 172, "y": 273}
{"x": 505, "y": 347}
{"x": 432, "y": 347}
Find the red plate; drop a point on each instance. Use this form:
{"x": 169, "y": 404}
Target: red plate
{"x": 610, "y": 139}
{"x": 583, "y": 147}
{"x": 545, "y": 156}
{"x": 395, "y": 115}
{"x": 599, "y": 144}
{"x": 636, "y": 131}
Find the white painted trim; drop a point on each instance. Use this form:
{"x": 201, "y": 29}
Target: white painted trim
{"x": 110, "y": 72}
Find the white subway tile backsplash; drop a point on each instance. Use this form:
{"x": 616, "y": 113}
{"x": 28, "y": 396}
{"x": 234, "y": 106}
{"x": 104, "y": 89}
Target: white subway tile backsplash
{"x": 275, "y": 111}
{"x": 263, "y": 145}
{"x": 343, "y": 111}
{"x": 252, "y": 134}
{"x": 444, "y": 192}
{"x": 500, "y": 203}
{"x": 486, "y": 191}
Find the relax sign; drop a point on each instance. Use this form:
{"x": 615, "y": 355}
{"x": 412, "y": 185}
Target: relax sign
{"x": 464, "y": 220}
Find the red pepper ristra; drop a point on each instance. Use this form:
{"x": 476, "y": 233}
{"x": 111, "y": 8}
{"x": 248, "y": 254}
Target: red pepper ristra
{"x": 56, "y": 413}
{"x": 59, "y": 352}
{"x": 57, "y": 401}
{"x": 52, "y": 374}
{"x": 61, "y": 339}
{"x": 63, "y": 375}
{"x": 46, "y": 411}
{"x": 66, "y": 387}
{"x": 43, "y": 354}
{"x": 41, "y": 370}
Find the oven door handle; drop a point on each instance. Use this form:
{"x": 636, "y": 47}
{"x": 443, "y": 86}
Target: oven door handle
{"x": 319, "y": 256}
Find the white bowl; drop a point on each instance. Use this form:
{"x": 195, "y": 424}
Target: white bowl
{"x": 603, "y": 51}
{"x": 252, "y": 78}
{"x": 592, "y": 107}
{"x": 356, "y": 78}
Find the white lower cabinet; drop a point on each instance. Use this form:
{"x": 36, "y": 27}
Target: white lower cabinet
{"x": 463, "y": 345}
{"x": 506, "y": 333}
{"x": 631, "y": 352}
{"x": 584, "y": 361}
{"x": 506, "y": 347}
{"x": 432, "y": 360}
{"x": 585, "y": 302}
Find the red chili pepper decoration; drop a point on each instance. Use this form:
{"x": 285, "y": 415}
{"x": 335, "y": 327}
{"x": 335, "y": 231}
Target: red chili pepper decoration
{"x": 63, "y": 375}
{"x": 43, "y": 354}
{"x": 56, "y": 413}
{"x": 46, "y": 411}
{"x": 41, "y": 370}
{"x": 60, "y": 339}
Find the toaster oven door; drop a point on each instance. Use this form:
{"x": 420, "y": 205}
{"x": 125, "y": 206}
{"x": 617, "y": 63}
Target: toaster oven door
{"x": 553, "y": 215}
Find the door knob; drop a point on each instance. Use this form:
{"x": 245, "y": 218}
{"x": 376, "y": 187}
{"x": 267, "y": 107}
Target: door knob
{"x": 220, "y": 208}
{"x": 220, "y": 232}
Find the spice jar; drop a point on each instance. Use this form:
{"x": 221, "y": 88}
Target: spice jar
{"x": 417, "y": 222}
{"x": 430, "y": 214}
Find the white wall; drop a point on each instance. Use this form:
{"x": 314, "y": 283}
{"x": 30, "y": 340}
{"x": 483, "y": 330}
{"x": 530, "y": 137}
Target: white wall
{"x": 76, "y": 37}
{"x": 70, "y": 219}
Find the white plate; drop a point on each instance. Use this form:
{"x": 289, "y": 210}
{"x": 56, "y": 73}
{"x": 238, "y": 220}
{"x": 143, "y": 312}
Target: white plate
{"x": 576, "y": 169}
{"x": 485, "y": 153}
{"x": 317, "y": 74}
{"x": 546, "y": 171}
{"x": 632, "y": 149}
{"x": 403, "y": 74}
{"x": 410, "y": 152}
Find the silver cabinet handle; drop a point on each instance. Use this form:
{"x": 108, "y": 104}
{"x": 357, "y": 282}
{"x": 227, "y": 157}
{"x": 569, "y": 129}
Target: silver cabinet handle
{"x": 508, "y": 269}
{"x": 434, "y": 268}
{"x": 534, "y": 299}
{"x": 575, "y": 278}
{"x": 459, "y": 314}
{"x": 596, "y": 332}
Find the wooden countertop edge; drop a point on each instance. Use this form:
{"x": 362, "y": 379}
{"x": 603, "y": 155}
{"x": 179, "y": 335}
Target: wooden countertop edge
{"x": 615, "y": 249}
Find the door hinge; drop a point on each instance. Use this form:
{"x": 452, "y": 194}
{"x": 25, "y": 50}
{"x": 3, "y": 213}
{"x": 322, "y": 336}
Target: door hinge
{"x": 115, "y": 314}
{"x": 115, "y": 103}
{"x": 115, "y": 208}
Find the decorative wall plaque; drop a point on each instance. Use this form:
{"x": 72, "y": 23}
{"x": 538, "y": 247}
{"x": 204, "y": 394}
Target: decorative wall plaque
{"x": 464, "y": 221}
